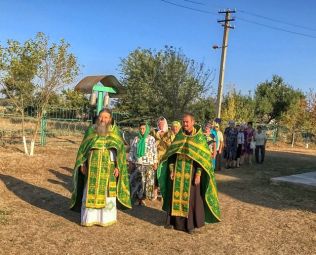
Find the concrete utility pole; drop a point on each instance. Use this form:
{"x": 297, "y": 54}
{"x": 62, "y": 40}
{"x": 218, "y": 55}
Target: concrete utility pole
{"x": 226, "y": 26}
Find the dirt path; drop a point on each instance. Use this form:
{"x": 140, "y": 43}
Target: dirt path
{"x": 257, "y": 217}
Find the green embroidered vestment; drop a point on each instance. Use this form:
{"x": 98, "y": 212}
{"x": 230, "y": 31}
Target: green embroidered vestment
{"x": 188, "y": 150}
{"x": 100, "y": 180}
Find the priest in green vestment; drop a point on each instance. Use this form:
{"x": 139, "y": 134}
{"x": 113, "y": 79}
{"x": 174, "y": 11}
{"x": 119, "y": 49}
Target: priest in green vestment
{"x": 187, "y": 181}
{"x": 100, "y": 177}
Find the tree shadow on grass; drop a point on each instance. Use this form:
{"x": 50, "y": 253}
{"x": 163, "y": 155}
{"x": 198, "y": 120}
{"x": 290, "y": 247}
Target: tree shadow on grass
{"x": 59, "y": 205}
{"x": 63, "y": 179}
{"x": 41, "y": 198}
{"x": 148, "y": 214}
{"x": 252, "y": 184}
{"x": 66, "y": 140}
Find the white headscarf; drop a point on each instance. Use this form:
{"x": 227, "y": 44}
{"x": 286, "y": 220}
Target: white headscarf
{"x": 165, "y": 124}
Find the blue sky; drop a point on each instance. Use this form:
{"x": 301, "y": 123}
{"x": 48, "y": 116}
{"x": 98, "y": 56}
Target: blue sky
{"x": 101, "y": 33}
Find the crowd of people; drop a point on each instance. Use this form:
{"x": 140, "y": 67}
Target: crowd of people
{"x": 176, "y": 163}
{"x": 236, "y": 146}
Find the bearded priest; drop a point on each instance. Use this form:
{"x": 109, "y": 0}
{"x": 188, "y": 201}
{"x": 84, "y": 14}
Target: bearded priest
{"x": 100, "y": 176}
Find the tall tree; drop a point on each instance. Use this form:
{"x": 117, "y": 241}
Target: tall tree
{"x": 296, "y": 117}
{"x": 18, "y": 68}
{"x": 204, "y": 109}
{"x": 73, "y": 99}
{"x": 238, "y": 107}
{"x": 161, "y": 83}
{"x": 273, "y": 98}
{"x": 52, "y": 66}
{"x": 311, "y": 110}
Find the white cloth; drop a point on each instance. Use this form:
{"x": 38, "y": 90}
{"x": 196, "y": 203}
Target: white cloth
{"x": 102, "y": 217}
{"x": 240, "y": 138}
{"x": 112, "y": 155}
{"x": 260, "y": 138}
{"x": 165, "y": 125}
{"x": 151, "y": 154}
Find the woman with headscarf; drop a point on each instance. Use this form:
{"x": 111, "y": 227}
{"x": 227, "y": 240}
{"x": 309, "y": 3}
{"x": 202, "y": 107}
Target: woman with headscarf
{"x": 163, "y": 137}
{"x": 143, "y": 159}
{"x": 175, "y": 127}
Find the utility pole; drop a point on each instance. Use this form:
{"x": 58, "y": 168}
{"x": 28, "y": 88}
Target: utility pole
{"x": 226, "y": 26}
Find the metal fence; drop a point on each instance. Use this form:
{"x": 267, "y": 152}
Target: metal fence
{"x": 58, "y": 121}
{"x": 54, "y": 122}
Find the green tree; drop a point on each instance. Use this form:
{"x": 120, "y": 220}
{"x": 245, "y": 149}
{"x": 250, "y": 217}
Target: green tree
{"x": 204, "y": 109}
{"x": 18, "y": 65}
{"x": 161, "y": 83}
{"x": 311, "y": 111}
{"x": 73, "y": 99}
{"x": 238, "y": 107}
{"x": 229, "y": 107}
{"x": 296, "y": 117}
{"x": 51, "y": 66}
{"x": 274, "y": 98}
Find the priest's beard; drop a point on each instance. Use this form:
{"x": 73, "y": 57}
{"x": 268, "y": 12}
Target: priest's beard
{"x": 102, "y": 128}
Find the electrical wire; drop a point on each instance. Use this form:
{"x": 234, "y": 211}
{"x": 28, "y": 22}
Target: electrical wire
{"x": 247, "y": 20}
{"x": 275, "y": 28}
{"x": 189, "y": 8}
{"x": 276, "y": 20}
{"x": 194, "y": 2}
{"x": 261, "y": 17}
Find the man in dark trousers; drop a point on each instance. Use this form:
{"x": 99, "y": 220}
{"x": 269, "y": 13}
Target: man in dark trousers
{"x": 186, "y": 179}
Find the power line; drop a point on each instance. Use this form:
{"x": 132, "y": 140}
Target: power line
{"x": 276, "y": 28}
{"x": 244, "y": 20}
{"x": 261, "y": 17}
{"x": 194, "y": 2}
{"x": 276, "y": 20}
{"x": 189, "y": 8}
